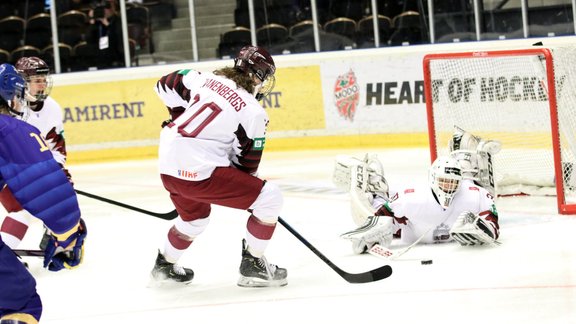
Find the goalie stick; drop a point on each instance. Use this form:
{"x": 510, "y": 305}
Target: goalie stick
{"x": 386, "y": 253}
{"x": 167, "y": 216}
{"x": 363, "y": 277}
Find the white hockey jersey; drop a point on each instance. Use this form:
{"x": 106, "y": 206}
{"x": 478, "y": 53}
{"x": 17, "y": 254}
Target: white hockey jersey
{"x": 214, "y": 123}
{"x": 49, "y": 121}
{"x": 416, "y": 211}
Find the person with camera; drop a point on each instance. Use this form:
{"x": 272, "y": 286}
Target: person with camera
{"x": 105, "y": 35}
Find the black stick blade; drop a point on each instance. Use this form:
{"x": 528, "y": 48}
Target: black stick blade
{"x": 30, "y": 253}
{"x": 370, "y": 276}
{"x": 363, "y": 277}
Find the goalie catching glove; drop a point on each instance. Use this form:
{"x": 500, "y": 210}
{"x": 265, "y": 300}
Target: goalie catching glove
{"x": 471, "y": 229}
{"x": 375, "y": 230}
{"x": 65, "y": 250}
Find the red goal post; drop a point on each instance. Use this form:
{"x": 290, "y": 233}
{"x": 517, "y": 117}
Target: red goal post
{"x": 524, "y": 98}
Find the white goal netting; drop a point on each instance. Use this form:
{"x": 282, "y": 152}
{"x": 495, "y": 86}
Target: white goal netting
{"x": 526, "y": 99}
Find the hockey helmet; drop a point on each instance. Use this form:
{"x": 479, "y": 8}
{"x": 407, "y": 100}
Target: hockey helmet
{"x": 254, "y": 60}
{"x": 37, "y": 74}
{"x": 445, "y": 176}
{"x": 12, "y": 85}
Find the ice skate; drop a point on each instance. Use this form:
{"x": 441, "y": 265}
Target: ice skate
{"x": 166, "y": 272}
{"x": 257, "y": 272}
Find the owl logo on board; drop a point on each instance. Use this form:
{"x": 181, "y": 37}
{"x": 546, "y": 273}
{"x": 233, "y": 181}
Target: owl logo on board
{"x": 347, "y": 95}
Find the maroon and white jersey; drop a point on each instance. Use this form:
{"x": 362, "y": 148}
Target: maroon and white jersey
{"x": 214, "y": 123}
{"x": 415, "y": 210}
{"x": 48, "y": 119}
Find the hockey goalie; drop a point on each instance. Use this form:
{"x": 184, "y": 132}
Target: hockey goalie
{"x": 456, "y": 204}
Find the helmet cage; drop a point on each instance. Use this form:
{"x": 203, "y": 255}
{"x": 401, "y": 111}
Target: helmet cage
{"x": 256, "y": 61}
{"x": 445, "y": 178}
{"x": 265, "y": 87}
{"x": 35, "y": 71}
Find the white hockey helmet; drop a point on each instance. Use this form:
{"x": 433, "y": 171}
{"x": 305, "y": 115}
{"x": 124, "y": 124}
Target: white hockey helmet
{"x": 445, "y": 177}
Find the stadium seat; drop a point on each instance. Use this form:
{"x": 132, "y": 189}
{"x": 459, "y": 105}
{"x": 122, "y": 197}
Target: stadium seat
{"x": 4, "y": 56}
{"x": 271, "y": 34}
{"x": 366, "y": 30}
{"x": 237, "y": 35}
{"x": 23, "y": 51}
{"x": 342, "y": 26}
{"x": 71, "y": 27}
{"x": 38, "y": 31}
{"x": 302, "y": 27}
{"x": 65, "y": 52}
{"x": 407, "y": 29}
{"x": 11, "y": 29}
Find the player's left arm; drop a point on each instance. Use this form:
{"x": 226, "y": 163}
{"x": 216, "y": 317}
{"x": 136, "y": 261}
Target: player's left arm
{"x": 250, "y": 140}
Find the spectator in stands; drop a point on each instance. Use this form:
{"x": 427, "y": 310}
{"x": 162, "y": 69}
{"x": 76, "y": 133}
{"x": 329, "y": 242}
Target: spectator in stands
{"x": 105, "y": 34}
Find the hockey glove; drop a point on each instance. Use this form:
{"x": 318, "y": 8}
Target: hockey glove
{"x": 471, "y": 229}
{"x": 376, "y": 230}
{"x": 66, "y": 250}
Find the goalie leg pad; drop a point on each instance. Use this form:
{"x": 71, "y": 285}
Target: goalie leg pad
{"x": 361, "y": 206}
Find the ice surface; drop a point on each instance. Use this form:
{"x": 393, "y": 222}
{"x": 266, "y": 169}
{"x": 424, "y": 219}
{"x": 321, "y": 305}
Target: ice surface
{"x": 530, "y": 278}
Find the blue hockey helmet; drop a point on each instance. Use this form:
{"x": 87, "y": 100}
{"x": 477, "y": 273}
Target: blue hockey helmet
{"x": 11, "y": 83}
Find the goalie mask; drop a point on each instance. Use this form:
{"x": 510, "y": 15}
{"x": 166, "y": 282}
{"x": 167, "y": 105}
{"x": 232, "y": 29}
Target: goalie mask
{"x": 257, "y": 62}
{"x": 445, "y": 177}
{"x": 37, "y": 75}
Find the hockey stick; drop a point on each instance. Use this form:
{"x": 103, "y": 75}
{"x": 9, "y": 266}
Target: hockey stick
{"x": 385, "y": 253}
{"x": 373, "y": 275}
{"x": 167, "y": 216}
{"x": 30, "y": 253}
{"x": 363, "y": 277}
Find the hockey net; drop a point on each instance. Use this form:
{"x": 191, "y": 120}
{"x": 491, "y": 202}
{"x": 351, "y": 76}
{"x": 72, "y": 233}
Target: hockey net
{"x": 526, "y": 99}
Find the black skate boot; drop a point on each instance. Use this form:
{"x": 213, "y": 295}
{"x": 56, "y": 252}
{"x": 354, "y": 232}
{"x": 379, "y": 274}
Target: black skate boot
{"x": 165, "y": 271}
{"x": 257, "y": 272}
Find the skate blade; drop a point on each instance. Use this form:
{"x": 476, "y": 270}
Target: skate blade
{"x": 166, "y": 283}
{"x": 260, "y": 283}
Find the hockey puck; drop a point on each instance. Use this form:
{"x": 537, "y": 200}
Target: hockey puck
{"x": 425, "y": 262}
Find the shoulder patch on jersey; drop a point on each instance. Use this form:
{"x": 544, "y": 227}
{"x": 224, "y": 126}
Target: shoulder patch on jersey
{"x": 474, "y": 188}
{"x": 258, "y": 144}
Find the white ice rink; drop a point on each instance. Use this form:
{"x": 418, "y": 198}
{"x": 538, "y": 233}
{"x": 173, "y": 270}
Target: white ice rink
{"x": 529, "y": 278}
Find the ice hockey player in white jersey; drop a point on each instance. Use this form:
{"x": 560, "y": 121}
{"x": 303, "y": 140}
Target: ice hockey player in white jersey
{"x": 448, "y": 208}
{"x": 43, "y": 112}
{"x": 209, "y": 153}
